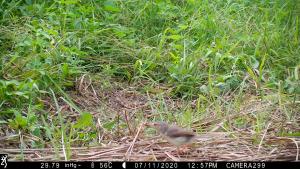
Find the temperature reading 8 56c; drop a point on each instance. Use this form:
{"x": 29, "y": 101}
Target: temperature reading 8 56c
{"x": 106, "y": 165}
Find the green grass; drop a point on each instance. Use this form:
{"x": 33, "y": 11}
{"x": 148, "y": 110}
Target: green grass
{"x": 215, "y": 57}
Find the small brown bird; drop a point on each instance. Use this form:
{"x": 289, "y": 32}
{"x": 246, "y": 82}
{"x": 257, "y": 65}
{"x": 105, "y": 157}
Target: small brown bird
{"x": 174, "y": 134}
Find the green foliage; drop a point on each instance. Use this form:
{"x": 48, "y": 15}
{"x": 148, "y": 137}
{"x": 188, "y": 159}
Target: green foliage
{"x": 13, "y": 92}
{"x": 85, "y": 120}
{"x": 109, "y": 125}
{"x": 26, "y": 123}
{"x": 292, "y": 83}
{"x": 201, "y": 50}
{"x": 65, "y": 38}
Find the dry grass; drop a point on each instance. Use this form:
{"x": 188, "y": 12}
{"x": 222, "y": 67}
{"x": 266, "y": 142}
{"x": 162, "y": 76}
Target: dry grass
{"x": 220, "y": 139}
{"x": 215, "y": 148}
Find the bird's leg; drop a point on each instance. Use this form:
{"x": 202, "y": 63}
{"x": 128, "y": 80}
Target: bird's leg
{"x": 185, "y": 149}
{"x": 182, "y": 150}
{"x": 178, "y": 151}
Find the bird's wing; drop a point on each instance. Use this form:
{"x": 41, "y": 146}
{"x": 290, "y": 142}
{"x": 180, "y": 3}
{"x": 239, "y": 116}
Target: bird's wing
{"x": 177, "y": 132}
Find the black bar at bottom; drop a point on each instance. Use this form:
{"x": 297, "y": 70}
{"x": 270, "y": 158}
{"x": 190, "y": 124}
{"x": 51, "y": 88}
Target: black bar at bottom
{"x": 212, "y": 165}
{"x": 149, "y": 165}
{"x": 63, "y": 165}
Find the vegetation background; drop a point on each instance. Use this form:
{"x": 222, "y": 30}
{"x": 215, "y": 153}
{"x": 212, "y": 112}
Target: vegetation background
{"x": 87, "y": 73}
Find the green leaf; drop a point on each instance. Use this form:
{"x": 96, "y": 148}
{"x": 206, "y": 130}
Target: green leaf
{"x": 297, "y": 68}
{"x": 3, "y": 122}
{"x": 69, "y": 2}
{"x": 21, "y": 94}
{"x": 31, "y": 118}
{"x": 37, "y": 132}
{"x": 65, "y": 70}
{"x": 110, "y": 6}
{"x": 109, "y": 125}
{"x": 19, "y": 122}
{"x": 292, "y": 134}
{"x": 187, "y": 117}
{"x": 175, "y": 37}
{"x": 85, "y": 120}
